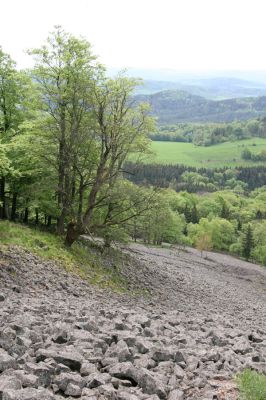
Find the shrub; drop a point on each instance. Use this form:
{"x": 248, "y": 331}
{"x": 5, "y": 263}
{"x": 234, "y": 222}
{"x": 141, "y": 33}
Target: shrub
{"x": 252, "y": 386}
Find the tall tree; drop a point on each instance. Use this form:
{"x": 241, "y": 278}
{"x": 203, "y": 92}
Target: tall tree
{"x": 88, "y": 124}
{"x": 120, "y": 129}
{"x": 66, "y": 71}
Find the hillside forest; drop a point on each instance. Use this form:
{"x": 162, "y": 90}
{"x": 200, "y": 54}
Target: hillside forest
{"x": 67, "y": 133}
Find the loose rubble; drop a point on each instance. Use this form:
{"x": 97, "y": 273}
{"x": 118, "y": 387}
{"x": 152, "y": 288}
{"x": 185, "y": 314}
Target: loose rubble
{"x": 61, "y": 338}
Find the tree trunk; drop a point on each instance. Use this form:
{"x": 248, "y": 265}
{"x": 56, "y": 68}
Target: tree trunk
{"x": 49, "y": 221}
{"x": 61, "y": 222}
{"x": 3, "y": 198}
{"x": 73, "y": 232}
{"x": 65, "y": 202}
{"x": 62, "y": 171}
{"x": 14, "y": 207}
{"x": 26, "y": 216}
{"x": 80, "y": 201}
{"x": 91, "y": 203}
{"x": 36, "y": 216}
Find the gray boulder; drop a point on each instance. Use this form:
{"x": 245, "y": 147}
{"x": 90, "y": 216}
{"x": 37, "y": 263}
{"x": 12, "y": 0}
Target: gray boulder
{"x": 6, "y": 361}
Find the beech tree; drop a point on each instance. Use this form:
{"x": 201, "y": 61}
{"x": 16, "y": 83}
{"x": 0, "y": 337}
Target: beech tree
{"x": 88, "y": 127}
{"x": 65, "y": 72}
{"x": 119, "y": 129}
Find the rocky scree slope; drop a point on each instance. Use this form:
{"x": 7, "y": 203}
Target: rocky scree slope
{"x": 60, "y": 338}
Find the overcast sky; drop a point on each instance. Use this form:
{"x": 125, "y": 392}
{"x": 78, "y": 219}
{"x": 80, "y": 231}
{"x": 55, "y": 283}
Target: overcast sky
{"x": 174, "y": 34}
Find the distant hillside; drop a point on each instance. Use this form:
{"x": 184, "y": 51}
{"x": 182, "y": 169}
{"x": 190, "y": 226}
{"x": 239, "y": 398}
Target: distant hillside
{"x": 173, "y": 106}
{"x": 211, "y": 88}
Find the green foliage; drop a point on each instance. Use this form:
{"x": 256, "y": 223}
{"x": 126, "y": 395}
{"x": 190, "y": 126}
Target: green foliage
{"x": 246, "y": 154}
{"x": 252, "y": 385}
{"x": 220, "y": 231}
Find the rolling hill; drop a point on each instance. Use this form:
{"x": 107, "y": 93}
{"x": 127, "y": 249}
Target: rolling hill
{"x": 174, "y": 106}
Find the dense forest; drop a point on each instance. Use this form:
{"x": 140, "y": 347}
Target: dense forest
{"x": 67, "y": 132}
{"x": 183, "y": 177}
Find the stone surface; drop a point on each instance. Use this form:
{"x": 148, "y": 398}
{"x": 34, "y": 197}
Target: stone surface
{"x": 6, "y": 361}
{"x": 203, "y": 321}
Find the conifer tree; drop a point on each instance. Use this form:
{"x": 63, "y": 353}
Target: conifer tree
{"x": 247, "y": 242}
{"x": 194, "y": 215}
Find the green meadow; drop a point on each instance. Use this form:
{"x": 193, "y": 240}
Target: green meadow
{"x": 219, "y": 155}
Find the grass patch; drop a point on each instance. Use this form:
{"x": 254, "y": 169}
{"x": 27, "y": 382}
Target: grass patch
{"x": 216, "y": 156}
{"x": 252, "y": 386}
{"x": 79, "y": 259}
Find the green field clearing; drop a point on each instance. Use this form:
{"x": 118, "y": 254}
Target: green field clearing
{"x": 224, "y": 154}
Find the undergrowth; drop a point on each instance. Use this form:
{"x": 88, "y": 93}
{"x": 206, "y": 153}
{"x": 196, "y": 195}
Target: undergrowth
{"x": 79, "y": 259}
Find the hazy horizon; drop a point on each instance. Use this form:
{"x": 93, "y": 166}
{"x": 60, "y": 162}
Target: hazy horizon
{"x": 175, "y": 35}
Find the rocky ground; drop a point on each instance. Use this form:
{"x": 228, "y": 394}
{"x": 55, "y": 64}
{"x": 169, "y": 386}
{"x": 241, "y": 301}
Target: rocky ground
{"x": 201, "y": 323}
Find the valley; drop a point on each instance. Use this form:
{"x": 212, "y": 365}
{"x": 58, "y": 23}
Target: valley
{"x": 132, "y": 224}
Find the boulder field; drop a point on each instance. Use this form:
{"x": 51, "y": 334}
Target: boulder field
{"x": 194, "y": 324}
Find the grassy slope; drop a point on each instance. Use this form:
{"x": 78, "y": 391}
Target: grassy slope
{"x": 79, "y": 259}
{"x": 224, "y": 154}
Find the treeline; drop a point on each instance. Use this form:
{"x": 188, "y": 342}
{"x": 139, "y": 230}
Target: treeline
{"x": 65, "y": 131}
{"x": 209, "y": 134}
{"x": 249, "y": 155}
{"x": 181, "y": 177}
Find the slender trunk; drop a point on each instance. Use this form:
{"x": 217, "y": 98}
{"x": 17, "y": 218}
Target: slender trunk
{"x": 80, "y": 201}
{"x": 14, "y": 206}
{"x": 36, "y": 216}
{"x": 26, "y": 215}
{"x": 3, "y": 198}
{"x": 73, "y": 188}
{"x": 49, "y": 221}
{"x": 45, "y": 219}
{"x": 91, "y": 203}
